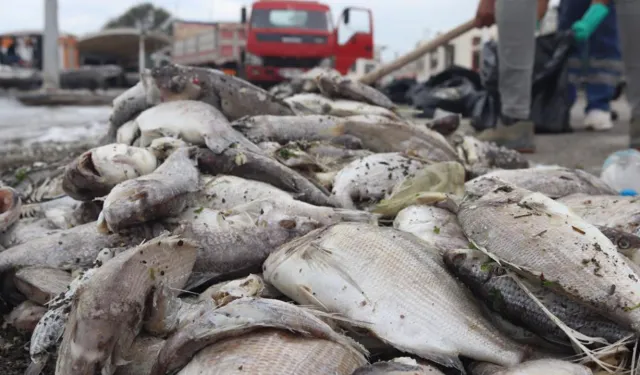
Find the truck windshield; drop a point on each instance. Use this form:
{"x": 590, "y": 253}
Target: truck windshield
{"x": 285, "y": 18}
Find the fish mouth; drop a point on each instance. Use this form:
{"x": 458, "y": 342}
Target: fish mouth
{"x": 86, "y": 165}
{"x": 9, "y": 200}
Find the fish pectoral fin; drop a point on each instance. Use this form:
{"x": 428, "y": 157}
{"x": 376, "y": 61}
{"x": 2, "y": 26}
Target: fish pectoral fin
{"x": 126, "y": 160}
{"x": 317, "y": 255}
{"x": 305, "y": 291}
{"x": 445, "y": 359}
{"x": 313, "y": 309}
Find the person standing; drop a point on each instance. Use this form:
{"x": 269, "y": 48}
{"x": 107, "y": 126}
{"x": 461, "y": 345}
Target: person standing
{"x": 516, "y": 22}
{"x": 595, "y": 62}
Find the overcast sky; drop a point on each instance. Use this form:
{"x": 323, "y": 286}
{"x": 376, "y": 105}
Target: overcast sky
{"x": 399, "y": 24}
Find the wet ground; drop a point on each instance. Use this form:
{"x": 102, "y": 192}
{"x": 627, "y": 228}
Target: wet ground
{"x": 14, "y": 352}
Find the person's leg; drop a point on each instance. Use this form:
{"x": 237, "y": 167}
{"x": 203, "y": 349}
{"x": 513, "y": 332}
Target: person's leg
{"x": 628, "y": 14}
{"x": 570, "y": 11}
{"x": 516, "y": 22}
{"x": 603, "y": 73}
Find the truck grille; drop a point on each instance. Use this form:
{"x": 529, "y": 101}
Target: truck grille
{"x": 291, "y": 62}
{"x": 292, "y": 38}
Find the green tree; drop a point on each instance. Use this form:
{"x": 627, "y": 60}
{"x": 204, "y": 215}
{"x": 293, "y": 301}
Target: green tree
{"x": 145, "y": 12}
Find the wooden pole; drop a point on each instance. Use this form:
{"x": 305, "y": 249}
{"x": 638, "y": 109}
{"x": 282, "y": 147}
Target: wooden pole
{"x": 417, "y": 53}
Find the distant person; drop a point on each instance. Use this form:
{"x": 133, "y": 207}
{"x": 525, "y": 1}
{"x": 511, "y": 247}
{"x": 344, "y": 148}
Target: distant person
{"x": 12, "y": 57}
{"x": 596, "y": 62}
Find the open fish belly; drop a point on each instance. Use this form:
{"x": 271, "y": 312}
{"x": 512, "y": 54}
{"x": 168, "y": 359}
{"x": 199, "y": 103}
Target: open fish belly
{"x": 545, "y": 239}
{"x": 359, "y": 271}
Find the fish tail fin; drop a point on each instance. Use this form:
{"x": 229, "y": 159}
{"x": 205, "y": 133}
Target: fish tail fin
{"x": 35, "y": 368}
{"x": 577, "y": 339}
{"x": 357, "y": 216}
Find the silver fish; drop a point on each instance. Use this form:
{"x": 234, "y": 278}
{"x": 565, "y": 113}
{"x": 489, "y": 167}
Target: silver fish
{"x": 611, "y": 211}
{"x": 195, "y": 122}
{"x": 41, "y": 284}
{"x": 337, "y": 86}
{"x": 163, "y": 193}
{"x": 538, "y": 366}
{"x": 10, "y": 206}
{"x": 398, "y": 366}
{"x": 251, "y": 286}
{"x": 224, "y": 192}
{"x": 141, "y": 355}
{"x": 126, "y": 106}
{"x": 26, "y": 230}
{"x": 627, "y": 243}
{"x": 542, "y": 238}
{"x": 25, "y": 316}
{"x": 555, "y": 182}
{"x": 62, "y": 213}
{"x": 236, "y": 248}
{"x": 103, "y": 321}
{"x": 288, "y": 354}
{"x": 71, "y": 248}
{"x": 503, "y": 295}
{"x": 437, "y": 227}
{"x": 370, "y": 178}
{"x": 283, "y": 129}
{"x": 128, "y": 133}
{"x": 358, "y": 270}
{"x": 380, "y": 134}
{"x": 94, "y": 173}
{"x": 265, "y": 169}
{"x": 233, "y": 96}
{"x": 483, "y": 157}
{"x": 239, "y": 317}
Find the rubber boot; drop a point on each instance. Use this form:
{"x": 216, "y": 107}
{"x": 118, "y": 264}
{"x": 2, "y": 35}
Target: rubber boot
{"x": 518, "y": 135}
{"x": 634, "y": 134}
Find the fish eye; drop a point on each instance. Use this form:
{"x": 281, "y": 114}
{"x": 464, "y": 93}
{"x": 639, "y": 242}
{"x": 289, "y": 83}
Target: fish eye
{"x": 500, "y": 271}
{"x": 623, "y": 243}
{"x": 459, "y": 257}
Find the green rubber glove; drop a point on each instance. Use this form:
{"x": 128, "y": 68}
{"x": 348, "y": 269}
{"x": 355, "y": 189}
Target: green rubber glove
{"x": 583, "y": 28}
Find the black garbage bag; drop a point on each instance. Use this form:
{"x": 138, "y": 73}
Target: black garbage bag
{"x": 550, "y": 107}
{"x": 397, "y": 89}
{"x": 454, "y": 90}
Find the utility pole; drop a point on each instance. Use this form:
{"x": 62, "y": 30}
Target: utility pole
{"x": 144, "y": 25}
{"x": 51, "y": 69}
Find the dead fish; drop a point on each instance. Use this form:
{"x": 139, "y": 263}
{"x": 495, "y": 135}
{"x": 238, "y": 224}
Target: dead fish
{"x": 370, "y": 178}
{"x": 627, "y": 243}
{"x": 611, "y": 211}
{"x": 483, "y": 157}
{"x": 41, "y": 284}
{"x": 25, "y": 230}
{"x": 543, "y": 239}
{"x": 25, "y": 316}
{"x": 265, "y": 169}
{"x": 243, "y": 316}
{"x": 61, "y": 213}
{"x": 445, "y": 125}
{"x": 437, "y": 227}
{"x": 380, "y": 134}
{"x": 554, "y": 182}
{"x": 288, "y": 354}
{"x": 331, "y": 154}
{"x": 232, "y": 249}
{"x": 223, "y": 192}
{"x": 538, "y": 366}
{"x": 163, "y": 193}
{"x": 128, "y": 133}
{"x": 398, "y": 366}
{"x": 503, "y": 295}
{"x": 195, "y": 122}
{"x": 337, "y": 86}
{"x": 233, "y": 96}
{"x": 141, "y": 355}
{"x": 72, "y": 248}
{"x": 127, "y": 106}
{"x": 293, "y": 157}
{"x": 358, "y": 270}
{"x": 227, "y": 291}
{"x": 10, "y": 206}
{"x": 309, "y": 103}
{"x": 164, "y": 146}
{"x": 94, "y": 173}
{"x": 103, "y": 321}
{"x": 283, "y": 129}
{"x": 323, "y": 215}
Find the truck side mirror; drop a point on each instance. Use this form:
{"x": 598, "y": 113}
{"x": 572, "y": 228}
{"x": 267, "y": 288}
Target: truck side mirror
{"x": 346, "y": 16}
{"x": 243, "y": 15}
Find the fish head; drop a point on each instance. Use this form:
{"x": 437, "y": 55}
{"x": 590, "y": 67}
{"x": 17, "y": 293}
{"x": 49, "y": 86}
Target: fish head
{"x": 164, "y": 146}
{"x": 627, "y": 243}
{"x": 91, "y": 343}
{"x": 295, "y": 226}
{"x": 10, "y": 207}
{"x": 483, "y": 185}
{"x": 82, "y": 180}
{"x": 176, "y": 82}
{"x": 472, "y": 265}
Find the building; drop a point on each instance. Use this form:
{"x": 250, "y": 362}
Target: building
{"x": 364, "y": 66}
{"x": 28, "y": 48}
{"x": 464, "y": 51}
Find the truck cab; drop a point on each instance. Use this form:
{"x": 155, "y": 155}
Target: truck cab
{"x": 288, "y": 37}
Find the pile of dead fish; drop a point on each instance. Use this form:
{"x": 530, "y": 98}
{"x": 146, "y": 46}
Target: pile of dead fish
{"x": 222, "y": 230}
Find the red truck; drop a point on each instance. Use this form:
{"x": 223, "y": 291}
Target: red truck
{"x": 280, "y": 39}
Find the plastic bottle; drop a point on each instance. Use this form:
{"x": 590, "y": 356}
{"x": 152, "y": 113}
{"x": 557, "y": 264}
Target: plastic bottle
{"x": 621, "y": 171}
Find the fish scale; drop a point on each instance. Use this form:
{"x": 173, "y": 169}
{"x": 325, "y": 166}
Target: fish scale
{"x": 548, "y": 241}
{"x": 359, "y": 270}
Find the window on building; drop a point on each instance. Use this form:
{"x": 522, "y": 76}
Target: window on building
{"x": 433, "y": 64}
{"x": 369, "y": 67}
{"x": 475, "y": 60}
{"x": 476, "y": 40}
{"x": 449, "y": 55}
